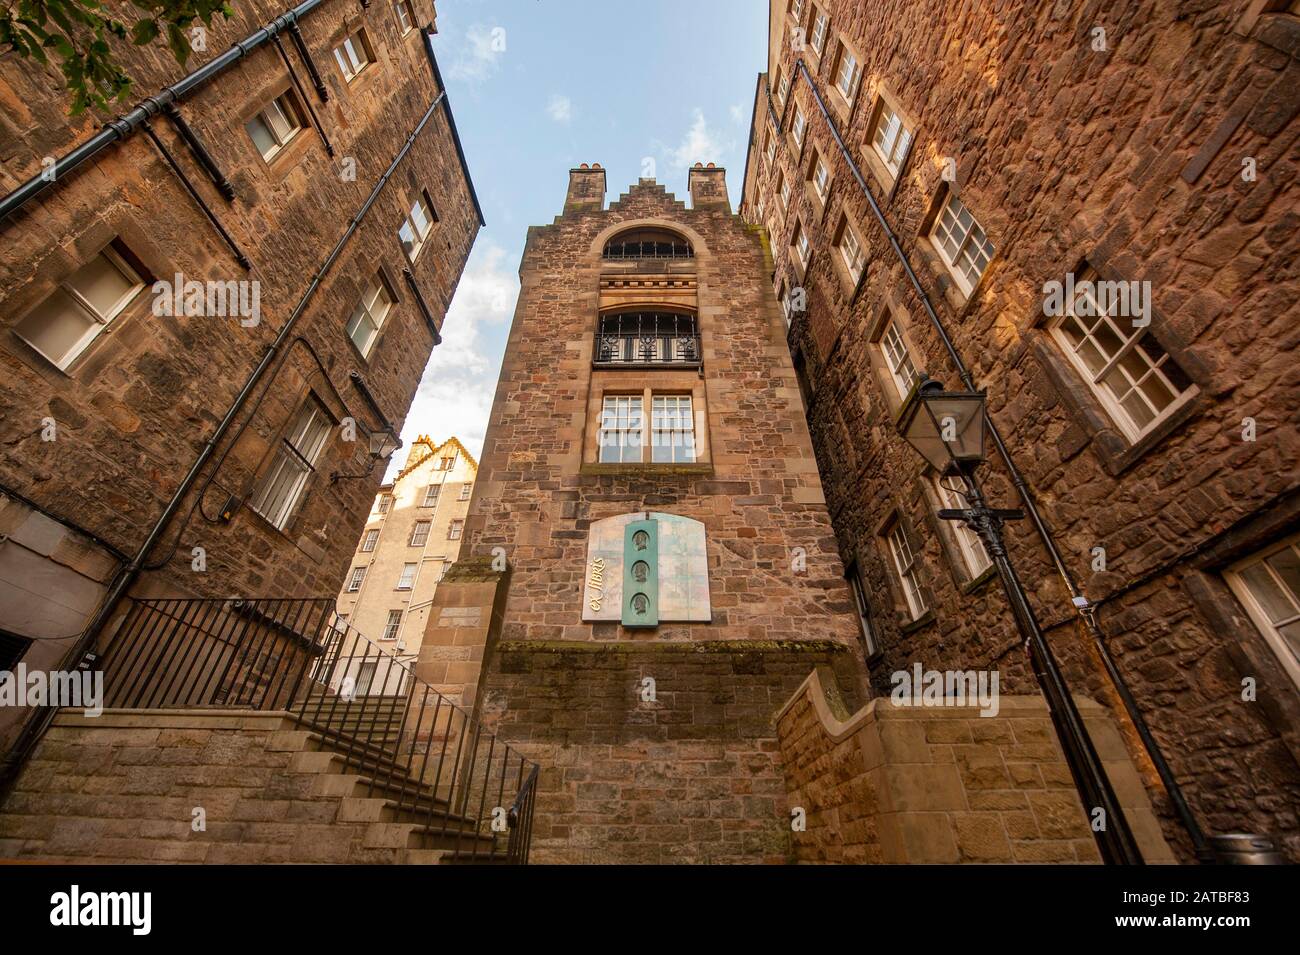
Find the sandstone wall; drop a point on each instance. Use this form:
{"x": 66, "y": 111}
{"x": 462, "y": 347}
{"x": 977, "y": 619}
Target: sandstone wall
{"x": 135, "y": 410}
{"x": 692, "y": 776}
{"x": 946, "y": 784}
{"x": 1129, "y": 159}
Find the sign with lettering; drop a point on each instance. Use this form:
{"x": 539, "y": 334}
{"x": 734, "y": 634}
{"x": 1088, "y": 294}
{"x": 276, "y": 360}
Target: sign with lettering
{"x": 646, "y": 568}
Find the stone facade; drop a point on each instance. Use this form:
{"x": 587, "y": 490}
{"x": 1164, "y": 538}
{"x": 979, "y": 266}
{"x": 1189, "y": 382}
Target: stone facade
{"x": 102, "y": 444}
{"x": 395, "y": 520}
{"x": 619, "y": 754}
{"x": 946, "y": 784}
{"x": 1160, "y": 150}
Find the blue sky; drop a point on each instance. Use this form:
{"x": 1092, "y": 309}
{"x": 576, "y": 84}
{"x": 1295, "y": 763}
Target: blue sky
{"x": 615, "y": 82}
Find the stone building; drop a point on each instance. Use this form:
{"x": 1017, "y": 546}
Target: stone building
{"x": 412, "y": 536}
{"x": 646, "y": 401}
{"x": 921, "y": 174}
{"x": 214, "y": 314}
{"x": 652, "y": 607}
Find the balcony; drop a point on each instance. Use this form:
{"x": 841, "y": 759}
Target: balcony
{"x": 657, "y": 339}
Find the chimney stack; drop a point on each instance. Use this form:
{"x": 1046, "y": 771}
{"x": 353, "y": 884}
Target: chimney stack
{"x": 708, "y": 187}
{"x": 586, "y": 189}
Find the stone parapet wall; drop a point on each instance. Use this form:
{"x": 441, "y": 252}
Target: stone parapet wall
{"x": 894, "y": 784}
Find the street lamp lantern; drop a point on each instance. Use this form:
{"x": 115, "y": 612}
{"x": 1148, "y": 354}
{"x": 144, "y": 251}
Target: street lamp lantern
{"x": 383, "y": 443}
{"x": 946, "y": 428}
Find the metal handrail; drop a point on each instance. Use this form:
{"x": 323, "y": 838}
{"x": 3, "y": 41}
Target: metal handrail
{"x": 417, "y": 748}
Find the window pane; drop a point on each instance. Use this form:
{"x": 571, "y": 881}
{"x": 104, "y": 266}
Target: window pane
{"x": 1274, "y": 600}
{"x": 420, "y": 216}
{"x": 279, "y": 116}
{"x": 1286, "y": 564}
{"x": 58, "y": 328}
{"x": 261, "y": 135}
{"x": 102, "y": 284}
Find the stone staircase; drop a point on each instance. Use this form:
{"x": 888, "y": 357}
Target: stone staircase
{"x": 129, "y": 785}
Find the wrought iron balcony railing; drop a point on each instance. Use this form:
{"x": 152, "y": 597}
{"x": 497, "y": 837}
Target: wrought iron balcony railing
{"x": 471, "y": 791}
{"x": 648, "y": 250}
{"x": 648, "y": 338}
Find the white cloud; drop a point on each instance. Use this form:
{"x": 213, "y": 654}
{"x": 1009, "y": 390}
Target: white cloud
{"x": 560, "y": 108}
{"x": 478, "y": 59}
{"x": 455, "y": 394}
{"x": 737, "y": 114}
{"x": 698, "y": 144}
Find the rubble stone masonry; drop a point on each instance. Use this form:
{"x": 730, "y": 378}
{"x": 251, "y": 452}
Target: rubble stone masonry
{"x": 1151, "y": 142}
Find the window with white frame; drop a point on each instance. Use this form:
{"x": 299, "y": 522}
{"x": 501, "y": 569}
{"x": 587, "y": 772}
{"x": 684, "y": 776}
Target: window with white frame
{"x": 405, "y": 16}
{"x": 283, "y": 484}
{"x": 897, "y": 358}
{"x": 864, "y": 610}
{"x": 821, "y": 177}
{"x": 621, "y": 429}
{"x": 383, "y": 503}
{"x": 672, "y": 429}
{"x": 846, "y": 73}
{"x": 368, "y": 316}
{"x": 465, "y": 491}
{"x": 64, "y": 324}
{"x": 851, "y": 250}
{"x": 900, "y": 550}
{"x": 455, "y": 530}
{"x": 1268, "y": 585}
{"x": 273, "y": 127}
{"x": 1133, "y": 377}
{"x": 785, "y": 192}
{"x": 796, "y": 10}
{"x": 369, "y": 540}
{"x": 449, "y": 462}
{"x": 393, "y": 625}
{"x": 407, "y": 578}
{"x": 890, "y": 138}
{"x": 961, "y": 242}
{"x": 431, "y": 495}
{"x": 353, "y": 56}
{"x": 797, "y": 129}
{"x": 818, "y": 39}
{"x": 416, "y": 226}
{"x": 782, "y": 87}
{"x": 784, "y": 298}
{"x": 801, "y": 247}
{"x": 354, "y": 582}
{"x": 973, "y": 554}
{"x": 419, "y": 533}
{"x": 771, "y": 146}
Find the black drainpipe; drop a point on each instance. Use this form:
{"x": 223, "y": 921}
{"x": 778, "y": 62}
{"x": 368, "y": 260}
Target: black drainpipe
{"x": 116, "y": 130}
{"x": 240, "y": 257}
{"x": 1086, "y": 610}
{"x": 306, "y": 102}
{"x": 127, "y": 575}
{"x": 173, "y": 113}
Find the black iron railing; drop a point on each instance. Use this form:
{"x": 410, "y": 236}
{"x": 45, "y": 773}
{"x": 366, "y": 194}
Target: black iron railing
{"x": 645, "y": 338}
{"x": 468, "y": 792}
{"x": 648, "y": 250}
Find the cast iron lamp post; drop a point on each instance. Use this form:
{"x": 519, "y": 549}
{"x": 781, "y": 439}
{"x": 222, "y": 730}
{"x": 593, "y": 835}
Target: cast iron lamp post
{"x": 947, "y": 429}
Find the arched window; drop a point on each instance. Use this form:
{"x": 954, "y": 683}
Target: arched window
{"x": 648, "y": 244}
{"x": 648, "y": 338}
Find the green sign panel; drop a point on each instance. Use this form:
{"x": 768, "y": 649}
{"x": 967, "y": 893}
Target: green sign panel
{"x": 641, "y": 574}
